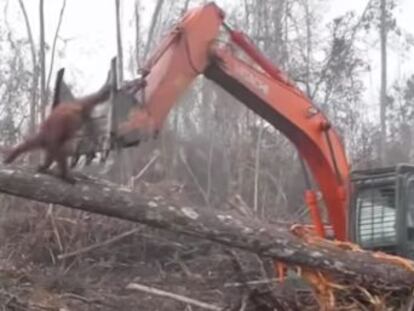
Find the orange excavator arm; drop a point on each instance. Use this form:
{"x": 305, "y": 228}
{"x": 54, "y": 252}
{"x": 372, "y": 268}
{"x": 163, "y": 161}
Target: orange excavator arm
{"x": 193, "y": 48}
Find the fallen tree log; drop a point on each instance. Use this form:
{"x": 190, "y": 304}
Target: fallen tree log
{"x": 279, "y": 243}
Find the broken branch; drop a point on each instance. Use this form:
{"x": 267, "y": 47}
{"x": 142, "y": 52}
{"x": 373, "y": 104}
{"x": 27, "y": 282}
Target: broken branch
{"x": 98, "y": 245}
{"x": 162, "y": 293}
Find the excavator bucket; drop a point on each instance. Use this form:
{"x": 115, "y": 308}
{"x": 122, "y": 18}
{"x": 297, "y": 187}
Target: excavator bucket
{"x": 99, "y": 135}
{"x": 124, "y": 100}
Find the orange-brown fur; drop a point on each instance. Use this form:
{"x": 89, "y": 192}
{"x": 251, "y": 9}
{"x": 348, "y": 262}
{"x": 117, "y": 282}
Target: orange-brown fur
{"x": 59, "y": 127}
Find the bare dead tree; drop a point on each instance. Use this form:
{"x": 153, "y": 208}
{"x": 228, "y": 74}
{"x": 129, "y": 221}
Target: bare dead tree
{"x": 383, "y": 92}
{"x": 308, "y": 46}
{"x": 257, "y": 169}
{"x": 12, "y": 83}
{"x": 154, "y": 21}
{"x": 35, "y": 81}
{"x": 355, "y": 29}
{"x": 52, "y": 60}
{"x": 137, "y": 33}
{"x": 246, "y": 13}
{"x": 119, "y": 41}
{"x": 209, "y": 168}
{"x": 42, "y": 61}
{"x": 186, "y": 4}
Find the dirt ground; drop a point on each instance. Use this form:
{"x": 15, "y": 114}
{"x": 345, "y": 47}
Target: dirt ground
{"x": 34, "y": 277}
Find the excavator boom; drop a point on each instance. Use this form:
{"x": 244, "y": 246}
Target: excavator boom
{"x": 193, "y": 48}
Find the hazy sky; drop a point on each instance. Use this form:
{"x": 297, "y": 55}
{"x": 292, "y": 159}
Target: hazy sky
{"x": 90, "y": 27}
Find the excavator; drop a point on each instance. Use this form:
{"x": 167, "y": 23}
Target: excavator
{"x": 372, "y": 208}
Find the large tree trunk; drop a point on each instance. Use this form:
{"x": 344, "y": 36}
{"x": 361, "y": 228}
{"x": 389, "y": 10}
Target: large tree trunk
{"x": 277, "y": 242}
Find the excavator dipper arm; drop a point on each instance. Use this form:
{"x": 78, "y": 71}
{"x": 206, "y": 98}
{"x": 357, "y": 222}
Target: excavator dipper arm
{"x": 193, "y": 48}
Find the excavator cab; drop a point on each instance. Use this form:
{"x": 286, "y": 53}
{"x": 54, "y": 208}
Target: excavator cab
{"x": 382, "y": 209}
{"x": 100, "y": 136}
